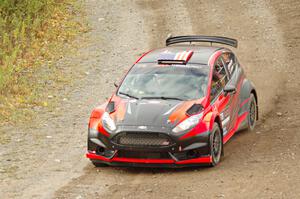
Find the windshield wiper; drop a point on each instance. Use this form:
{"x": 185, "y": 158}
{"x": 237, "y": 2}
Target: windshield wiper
{"x": 162, "y": 97}
{"x": 128, "y": 95}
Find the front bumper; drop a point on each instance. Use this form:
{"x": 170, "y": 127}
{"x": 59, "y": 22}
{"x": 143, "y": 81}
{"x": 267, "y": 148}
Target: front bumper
{"x": 179, "y": 152}
{"x": 117, "y": 161}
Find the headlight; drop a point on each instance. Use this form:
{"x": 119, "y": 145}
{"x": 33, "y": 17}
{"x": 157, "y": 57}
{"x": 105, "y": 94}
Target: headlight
{"x": 188, "y": 123}
{"x": 107, "y": 122}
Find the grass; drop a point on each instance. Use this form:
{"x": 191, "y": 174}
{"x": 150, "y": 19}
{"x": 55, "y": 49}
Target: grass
{"x": 32, "y": 33}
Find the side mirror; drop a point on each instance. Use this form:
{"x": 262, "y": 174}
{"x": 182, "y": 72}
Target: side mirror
{"x": 229, "y": 89}
{"x": 116, "y": 85}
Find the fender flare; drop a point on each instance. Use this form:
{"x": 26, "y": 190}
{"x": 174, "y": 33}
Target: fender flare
{"x": 246, "y": 90}
{"x": 215, "y": 118}
{"x": 96, "y": 115}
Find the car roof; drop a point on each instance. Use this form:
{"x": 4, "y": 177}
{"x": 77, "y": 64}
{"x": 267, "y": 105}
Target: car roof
{"x": 201, "y": 54}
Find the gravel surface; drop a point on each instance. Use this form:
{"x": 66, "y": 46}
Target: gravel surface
{"x": 45, "y": 158}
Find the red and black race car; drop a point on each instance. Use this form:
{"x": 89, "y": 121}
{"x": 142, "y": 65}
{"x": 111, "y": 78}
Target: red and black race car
{"x": 177, "y": 106}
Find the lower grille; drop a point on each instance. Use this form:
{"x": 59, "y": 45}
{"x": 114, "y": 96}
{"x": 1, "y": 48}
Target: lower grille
{"x": 143, "y": 155}
{"x": 142, "y": 139}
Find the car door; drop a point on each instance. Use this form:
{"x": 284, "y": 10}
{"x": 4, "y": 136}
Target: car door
{"x": 235, "y": 75}
{"x": 220, "y": 101}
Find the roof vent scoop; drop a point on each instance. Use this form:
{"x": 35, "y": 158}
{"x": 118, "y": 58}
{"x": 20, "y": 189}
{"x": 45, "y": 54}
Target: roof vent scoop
{"x": 168, "y": 57}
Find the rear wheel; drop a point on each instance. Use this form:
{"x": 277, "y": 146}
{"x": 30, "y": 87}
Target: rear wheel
{"x": 216, "y": 144}
{"x": 252, "y": 110}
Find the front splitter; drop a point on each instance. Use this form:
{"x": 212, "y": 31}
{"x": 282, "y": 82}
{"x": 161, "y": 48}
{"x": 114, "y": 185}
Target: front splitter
{"x": 118, "y": 161}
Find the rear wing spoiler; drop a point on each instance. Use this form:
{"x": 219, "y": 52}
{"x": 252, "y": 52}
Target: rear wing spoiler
{"x": 202, "y": 38}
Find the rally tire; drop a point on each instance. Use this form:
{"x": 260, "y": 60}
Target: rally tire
{"x": 252, "y": 113}
{"x": 216, "y": 144}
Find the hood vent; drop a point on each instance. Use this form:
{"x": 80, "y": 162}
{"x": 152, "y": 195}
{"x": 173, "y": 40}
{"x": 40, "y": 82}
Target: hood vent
{"x": 110, "y": 107}
{"x": 194, "y": 109}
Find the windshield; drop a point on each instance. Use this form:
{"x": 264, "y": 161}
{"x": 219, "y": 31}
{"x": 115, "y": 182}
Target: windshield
{"x": 181, "y": 82}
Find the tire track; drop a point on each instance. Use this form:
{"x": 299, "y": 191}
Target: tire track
{"x": 256, "y": 165}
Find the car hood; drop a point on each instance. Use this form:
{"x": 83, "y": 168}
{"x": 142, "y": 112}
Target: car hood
{"x": 163, "y": 113}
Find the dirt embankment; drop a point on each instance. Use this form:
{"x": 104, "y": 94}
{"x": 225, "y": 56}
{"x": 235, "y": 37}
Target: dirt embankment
{"x": 260, "y": 164}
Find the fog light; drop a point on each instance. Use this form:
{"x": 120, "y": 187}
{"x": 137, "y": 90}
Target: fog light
{"x": 100, "y": 150}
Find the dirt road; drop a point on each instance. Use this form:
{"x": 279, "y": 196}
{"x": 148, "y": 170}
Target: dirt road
{"x": 45, "y": 159}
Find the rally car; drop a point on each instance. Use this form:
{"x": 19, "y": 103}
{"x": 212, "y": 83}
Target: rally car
{"x": 177, "y": 106}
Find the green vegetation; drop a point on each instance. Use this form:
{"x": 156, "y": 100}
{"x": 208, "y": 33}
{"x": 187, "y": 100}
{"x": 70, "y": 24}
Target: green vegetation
{"x": 31, "y": 32}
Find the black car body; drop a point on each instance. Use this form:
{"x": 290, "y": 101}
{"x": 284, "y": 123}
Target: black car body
{"x": 176, "y": 107}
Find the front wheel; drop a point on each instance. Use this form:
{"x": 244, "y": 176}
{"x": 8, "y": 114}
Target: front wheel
{"x": 216, "y": 144}
{"x": 252, "y": 113}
